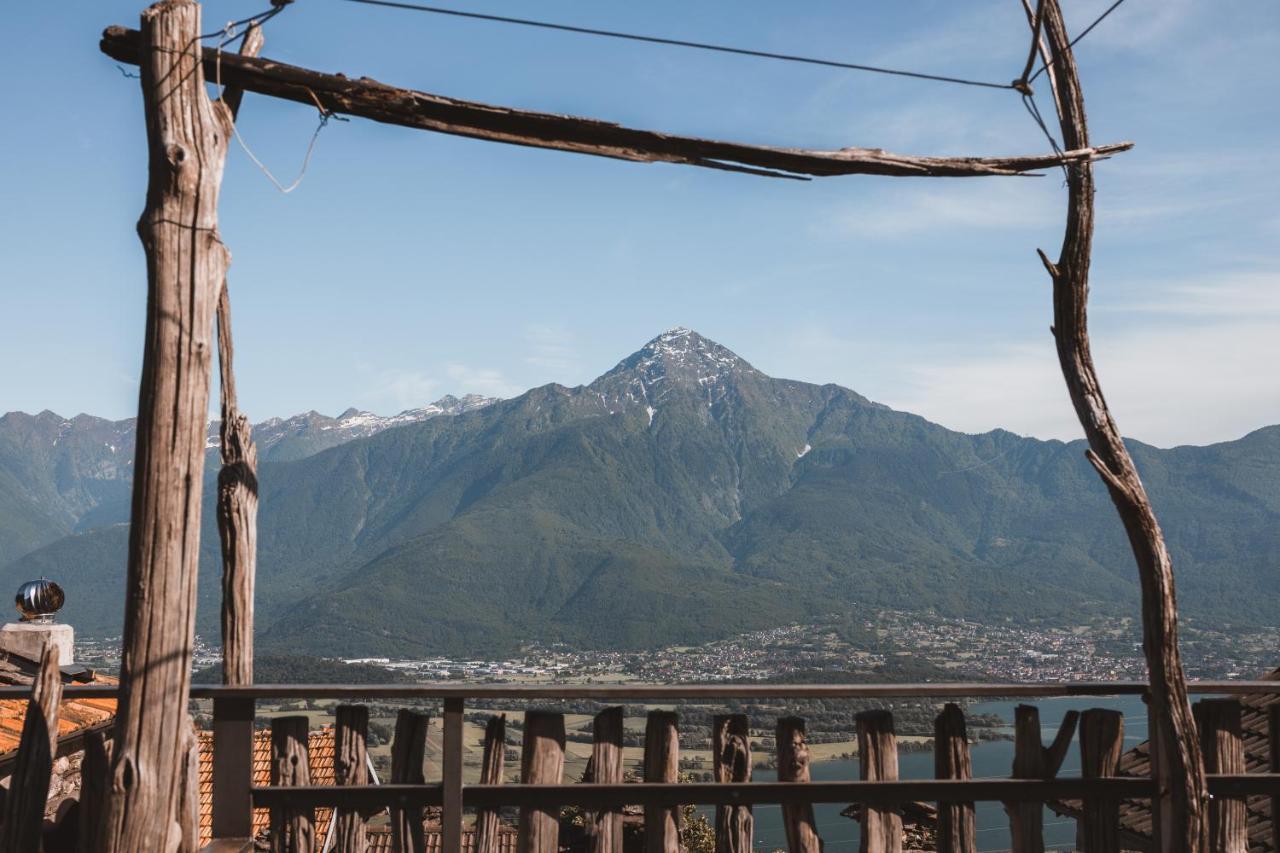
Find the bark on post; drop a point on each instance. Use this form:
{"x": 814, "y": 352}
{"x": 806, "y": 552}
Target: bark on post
{"x": 1101, "y": 744}
{"x": 878, "y": 762}
{"x": 408, "y": 751}
{"x": 491, "y": 767}
{"x": 731, "y": 757}
{"x": 29, "y": 784}
{"x": 661, "y": 764}
{"x": 604, "y": 827}
{"x": 541, "y": 763}
{"x": 94, "y": 773}
{"x": 1181, "y": 781}
{"x": 186, "y": 264}
{"x": 292, "y": 830}
{"x": 1218, "y": 721}
{"x": 1032, "y": 760}
{"x": 189, "y": 805}
{"x": 793, "y": 766}
{"x": 957, "y": 829}
{"x": 350, "y": 767}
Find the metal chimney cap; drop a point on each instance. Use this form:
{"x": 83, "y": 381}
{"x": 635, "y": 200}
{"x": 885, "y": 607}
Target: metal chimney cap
{"x": 37, "y": 601}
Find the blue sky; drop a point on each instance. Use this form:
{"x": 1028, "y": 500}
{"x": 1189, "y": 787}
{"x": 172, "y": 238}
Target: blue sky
{"x": 410, "y": 265}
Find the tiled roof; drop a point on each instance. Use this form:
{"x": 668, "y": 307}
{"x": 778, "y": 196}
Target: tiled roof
{"x": 319, "y": 755}
{"x": 75, "y": 716}
{"x": 1135, "y": 815}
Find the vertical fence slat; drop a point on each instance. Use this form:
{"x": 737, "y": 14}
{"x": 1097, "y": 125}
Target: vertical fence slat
{"x": 29, "y": 784}
{"x": 189, "y": 802}
{"x": 1218, "y": 722}
{"x": 1031, "y": 760}
{"x": 95, "y": 770}
{"x": 541, "y": 763}
{"x": 731, "y": 758}
{"x": 793, "y": 766}
{"x": 604, "y": 826}
{"x": 1273, "y": 737}
{"x": 408, "y": 751}
{"x": 957, "y": 829}
{"x": 451, "y": 806}
{"x": 491, "y": 767}
{"x": 350, "y": 767}
{"x": 661, "y": 764}
{"x": 292, "y": 830}
{"x": 1101, "y": 744}
{"x": 878, "y": 762}
{"x": 233, "y": 767}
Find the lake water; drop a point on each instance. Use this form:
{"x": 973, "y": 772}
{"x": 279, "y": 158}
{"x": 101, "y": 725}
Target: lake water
{"x": 991, "y": 759}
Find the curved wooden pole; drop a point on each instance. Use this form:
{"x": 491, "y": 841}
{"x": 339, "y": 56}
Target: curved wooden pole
{"x": 1179, "y": 768}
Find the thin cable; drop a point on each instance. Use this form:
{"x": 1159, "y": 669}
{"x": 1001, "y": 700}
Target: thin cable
{"x": 786, "y": 57}
{"x": 1072, "y": 43}
{"x": 1029, "y": 102}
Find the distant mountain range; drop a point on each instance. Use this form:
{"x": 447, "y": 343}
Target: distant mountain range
{"x": 682, "y": 496}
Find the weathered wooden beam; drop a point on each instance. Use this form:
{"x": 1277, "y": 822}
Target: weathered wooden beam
{"x": 731, "y": 760}
{"x": 604, "y": 827}
{"x": 293, "y": 829}
{"x": 350, "y": 767}
{"x": 541, "y": 763}
{"x": 1221, "y": 742}
{"x": 95, "y": 769}
{"x": 186, "y": 263}
{"x": 29, "y": 784}
{"x": 451, "y": 773}
{"x": 495, "y": 744}
{"x": 408, "y": 752}
{"x": 1183, "y": 791}
{"x": 878, "y": 762}
{"x": 189, "y": 802}
{"x": 1273, "y": 738}
{"x": 793, "y": 766}
{"x": 662, "y": 764}
{"x": 1101, "y": 744}
{"x": 957, "y": 827}
{"x": 1033, "y": 760}
{"x": 377, "y": 101}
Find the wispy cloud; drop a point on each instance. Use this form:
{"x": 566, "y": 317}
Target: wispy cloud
{"x": 1014, "y": 204}
{"x": 551, "y": 348}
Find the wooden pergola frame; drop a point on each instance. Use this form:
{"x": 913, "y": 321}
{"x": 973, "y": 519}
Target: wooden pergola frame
{"x": 149, "y": 803}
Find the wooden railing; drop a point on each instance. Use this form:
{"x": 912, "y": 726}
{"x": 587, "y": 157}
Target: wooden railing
{"x": 542, "y": 791}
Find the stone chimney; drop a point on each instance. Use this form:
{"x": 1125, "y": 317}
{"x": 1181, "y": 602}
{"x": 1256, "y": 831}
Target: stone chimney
{"x": 37, "y": 602}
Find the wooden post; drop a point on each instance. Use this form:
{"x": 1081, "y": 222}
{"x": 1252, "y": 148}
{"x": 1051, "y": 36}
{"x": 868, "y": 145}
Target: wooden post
{"x": 451, "y": 776}
{"x": 94, "y": 772}
{"x": 731, "y": 757}
{"x": 604, "y": 827}
{"x": 661, "y": 764}
{"x": 350, "y": 767}
{"x": 1221, "y": 743}
{"x": 488, "y": 820}
{"x": 29, "y": 784}
{"x": 957, "y": 830}
{"x": 1181, "y": 782}
{"x": 793, "y": 766}
{"x": 878, "y": 762}
{"x": 1032, "y": 760}
{"x": 186, "y": 264}
{"x": 1101, "y": 744}
{"x": 1273, "y": 737}
{"x": 408, "y": 752}
{"x": 292, "y": 830}
{"x": 189, "y": 803}
{"x": 233, "y": 767}
{"x": 541, "y": 763}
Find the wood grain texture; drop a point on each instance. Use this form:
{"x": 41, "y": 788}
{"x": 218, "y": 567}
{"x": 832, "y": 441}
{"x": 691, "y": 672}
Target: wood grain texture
{"x": 488, "y": 821}
{"x": 541, "y": 763}
{"x": 408, "y": 752}
{"x": 292, "y": 829}
{"x": 1101, "y": 745}
{"x": 731, "y": 760}
{"x": 189, "y": 804}
{"x": 95, "y": 772}
{"x": 1032, "y": 760}
{"x": 350, "y": 767}
{"x": 1273, "y": 734}
{"x": 377, "y": 101}
{"x": 29, "y": 784}
{"x": 1179, "y": 767}
{"x": 957, "y": 827}
{"x": 604, "y": 827}
{"x": 1221, "y": 742}
{"x": 793, "y": 766}
{"x": 878, "y": 762}
{"x": 186, "y": 264}
{"x": 661, "y": 764}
